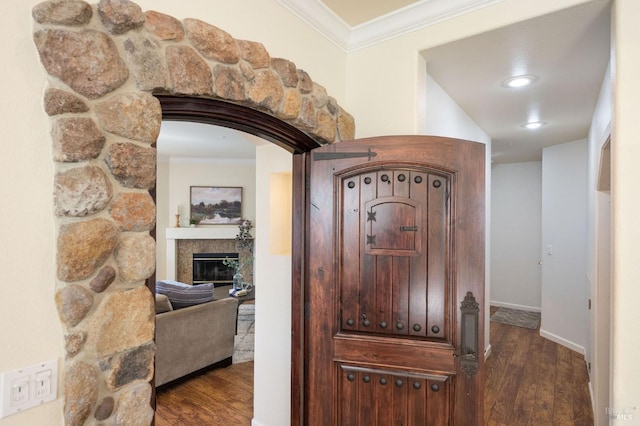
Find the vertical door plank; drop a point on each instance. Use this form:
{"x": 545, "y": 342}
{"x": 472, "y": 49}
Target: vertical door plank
{"x": 437, "y": 296}
{"x": 350, "y": 255}
{"x": 368, "y": 191}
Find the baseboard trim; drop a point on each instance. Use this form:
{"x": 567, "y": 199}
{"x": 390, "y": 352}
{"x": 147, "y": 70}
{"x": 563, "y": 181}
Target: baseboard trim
{"x": 593, "y": 401}
{"x": 515, "y": 306}
{"x": 564, "y": 342}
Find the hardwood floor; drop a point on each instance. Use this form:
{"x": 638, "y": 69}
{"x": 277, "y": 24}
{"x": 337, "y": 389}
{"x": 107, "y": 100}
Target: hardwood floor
{"x": 533, "y": 381}
{"x": 223, "y": 396}
{"x": 529, "y": 381}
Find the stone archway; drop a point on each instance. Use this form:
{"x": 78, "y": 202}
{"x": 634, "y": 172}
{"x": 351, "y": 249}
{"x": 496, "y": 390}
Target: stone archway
{"x": 105, "y": 62}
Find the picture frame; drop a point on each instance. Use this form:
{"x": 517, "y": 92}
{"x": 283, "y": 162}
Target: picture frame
{"x": 215, "y": 205}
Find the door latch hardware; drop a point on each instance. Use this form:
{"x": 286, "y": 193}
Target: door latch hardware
{"x": 469, "y": 363}
{"x": 408, "y": 228}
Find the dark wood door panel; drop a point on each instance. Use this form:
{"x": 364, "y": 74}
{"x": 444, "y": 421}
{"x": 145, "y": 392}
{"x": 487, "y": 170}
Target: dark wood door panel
{"x": 382, "y": 397}
{"x": 395, "y": 244}
{"x": 391, "y": 352}
{"x": 384, "y": 216}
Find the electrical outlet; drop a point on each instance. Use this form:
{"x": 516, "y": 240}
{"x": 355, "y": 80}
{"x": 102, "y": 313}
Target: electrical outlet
{"x": 27, "y": 387}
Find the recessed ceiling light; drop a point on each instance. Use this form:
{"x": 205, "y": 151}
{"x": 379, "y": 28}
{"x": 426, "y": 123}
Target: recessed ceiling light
{"x": 533, "y": 125}
{"x": 519, "y": 81}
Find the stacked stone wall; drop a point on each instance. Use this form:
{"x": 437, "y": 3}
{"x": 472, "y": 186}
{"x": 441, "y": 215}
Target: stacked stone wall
{"x": 105, "y": 62}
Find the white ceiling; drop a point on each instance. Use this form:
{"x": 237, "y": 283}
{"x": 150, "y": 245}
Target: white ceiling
{"x": 568, "y": 51}
{"x": 188, "y": 141}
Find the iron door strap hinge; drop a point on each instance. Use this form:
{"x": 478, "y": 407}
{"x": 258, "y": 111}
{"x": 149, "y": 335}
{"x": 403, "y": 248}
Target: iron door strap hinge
{"x": 318, "y": 156}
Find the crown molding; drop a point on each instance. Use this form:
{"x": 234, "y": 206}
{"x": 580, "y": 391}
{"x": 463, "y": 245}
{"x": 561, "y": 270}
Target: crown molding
{"x": 322, "y": 19}
{"x": 402, "y": 21}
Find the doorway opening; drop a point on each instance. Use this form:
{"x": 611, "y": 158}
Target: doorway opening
{"x": 218, "y": 159}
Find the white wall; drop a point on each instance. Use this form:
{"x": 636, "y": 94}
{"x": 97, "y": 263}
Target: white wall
{"x": 443, "y": 117}
{"x": 516, "y": 204}
{"x": 25, "y": 154}
{"x": 173, "y": 192}
{"x": 30, "y": 328}
{"x": 272, "y": 367}
{"x": 625, "y": 315}
{"x": 599, "y": 255}
{"x": 565, "y": 292}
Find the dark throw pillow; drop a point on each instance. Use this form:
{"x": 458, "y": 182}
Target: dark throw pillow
{"x": 182, "y": 295}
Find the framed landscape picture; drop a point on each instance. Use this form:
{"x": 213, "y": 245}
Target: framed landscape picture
{"x": 216, "y": 205}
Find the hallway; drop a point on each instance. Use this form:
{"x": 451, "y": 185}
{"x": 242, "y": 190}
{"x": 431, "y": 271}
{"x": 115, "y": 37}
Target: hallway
{"x": 533, "y": 381}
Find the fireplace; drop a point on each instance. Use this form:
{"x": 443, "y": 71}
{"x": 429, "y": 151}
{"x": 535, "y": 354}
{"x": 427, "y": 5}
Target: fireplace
{"x": 209, "y": 268}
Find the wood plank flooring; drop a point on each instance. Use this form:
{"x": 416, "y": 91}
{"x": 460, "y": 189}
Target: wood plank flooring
{"x": 223, "y": 396}
{"x": 529, "y": 381}
{"x": 533, "y": 381}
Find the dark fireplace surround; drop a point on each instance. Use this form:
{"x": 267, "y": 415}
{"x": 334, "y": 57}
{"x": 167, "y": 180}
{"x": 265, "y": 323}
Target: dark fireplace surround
{"x": 185, "y": 250}
{"x": 211, "y": 268}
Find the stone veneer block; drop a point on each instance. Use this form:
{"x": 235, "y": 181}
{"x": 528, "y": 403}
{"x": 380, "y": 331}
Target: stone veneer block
{"x": 212, "y": 42}
{"x": 136, "y": 257}
{"x": 308, "y": 118}
{"x": 73, "y": 343}
{"x": 346, "y": 126}
{"x": 120, "y": 16}
{"x": 134, "y": 365}
{"x": 81, "y": 191}
{"x": 103, "y": 280}
{"x": 83, "y": 247}
{"x": 74, "y": 302}
{"x": 124, "y": 320}
{"x": 291, "y": 105}
{"x": 134, "y": 211}
{"x": 58, "y": 101}
{"x": 132, "y": 165}
{"x": 76, "y": 139}
{"x": 265, "y": 91}
{"x": 133, "y": 406}
{"x": 163, "y": 26}
{"x": 286, "y": 70}
{"x": 229, "y": 83}
{"x": 319, "y": 96}
{"x": 87, "y": 61}
{"x": 305, "y": 83}
{"x": 104, "y": 409}
{"x": 190, "y": 74}
{"x": 135, "y": 116}
{"x": 326, "y": 127}
{"x": 146, "y": 62}
{"x": 63, "y": 12}
{"x": 254, "y": 53}
{"x": 80, "y": 392}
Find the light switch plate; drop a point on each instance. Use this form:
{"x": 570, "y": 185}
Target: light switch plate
{"x": 27, "y": 387}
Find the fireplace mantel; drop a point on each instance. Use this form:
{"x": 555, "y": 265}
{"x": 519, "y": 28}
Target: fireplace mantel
{"x": 218, "y": 232}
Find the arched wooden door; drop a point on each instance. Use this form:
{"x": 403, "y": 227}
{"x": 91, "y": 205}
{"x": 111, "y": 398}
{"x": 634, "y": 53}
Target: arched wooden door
{"x": 395, "y": 283}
